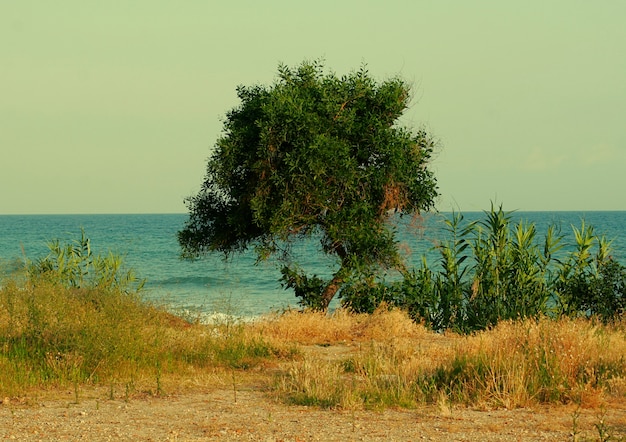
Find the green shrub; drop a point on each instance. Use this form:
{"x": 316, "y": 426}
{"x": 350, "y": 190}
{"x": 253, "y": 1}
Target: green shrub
{"x": 74, "y": 265}
{"x": 309, "y": 289}
{"x": 493, "y": 270}
{"x": 588, "y": 283}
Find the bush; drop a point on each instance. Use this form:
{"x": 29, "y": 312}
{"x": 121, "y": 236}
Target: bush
{"x": 591, "y": 284}
{"x": 74, "y": 265}
{"x": 494, "y": 270}
{"x": 310, "y": 289}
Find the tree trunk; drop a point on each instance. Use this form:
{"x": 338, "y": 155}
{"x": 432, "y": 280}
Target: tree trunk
{"x": 331, "y": 290}
{"x": 332, "y": 287}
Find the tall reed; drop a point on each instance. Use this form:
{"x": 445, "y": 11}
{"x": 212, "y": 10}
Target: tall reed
{"x": 493, "y": 270}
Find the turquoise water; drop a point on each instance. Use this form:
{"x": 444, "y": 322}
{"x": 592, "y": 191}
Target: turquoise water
{"x": 149, "y": 245}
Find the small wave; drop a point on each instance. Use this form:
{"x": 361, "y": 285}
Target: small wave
{"x": 184, "y": 280}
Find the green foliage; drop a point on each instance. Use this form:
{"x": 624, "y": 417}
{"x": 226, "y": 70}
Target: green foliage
{"x": 313, "y": 154}
{"x": 309, "y": 289}
{"x": 591, "y": 284}
{"x": 510, "y": 271}
{"x": 74, "y": 265}
{"x": 76, "y": 318}
{"x": 365, "y": 293}
{"x": 451, "y": 284}
{"x": 494, "y": 270}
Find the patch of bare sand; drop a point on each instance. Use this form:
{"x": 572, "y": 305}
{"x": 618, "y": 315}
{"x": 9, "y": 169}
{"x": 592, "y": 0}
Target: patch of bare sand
{"x": 254, "y": 416}
{"x": 207, "y": 409}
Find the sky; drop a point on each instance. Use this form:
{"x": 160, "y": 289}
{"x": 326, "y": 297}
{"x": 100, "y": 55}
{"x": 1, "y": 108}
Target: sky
{"x": 114, "y": 107}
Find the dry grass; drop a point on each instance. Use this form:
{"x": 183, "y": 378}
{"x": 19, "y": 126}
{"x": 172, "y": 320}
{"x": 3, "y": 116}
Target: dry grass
{"x": 52, "y": 337}
{"x": 546, "y": 361}
{"x": 394, "y": 362}
{"x": 313, "y": 327}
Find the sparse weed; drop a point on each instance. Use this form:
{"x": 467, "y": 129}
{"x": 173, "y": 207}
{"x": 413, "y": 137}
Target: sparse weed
{"x": 62, "y": 326}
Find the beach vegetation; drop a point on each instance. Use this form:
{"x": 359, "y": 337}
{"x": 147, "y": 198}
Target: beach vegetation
{"x": 390, "y": 361}
{"x": 318, "y": 156}
{"x": 74, "y": 265}
{"x": 73, "y": 334}
{"x": 73, "y": 319}
{"x": 495, "y": 269}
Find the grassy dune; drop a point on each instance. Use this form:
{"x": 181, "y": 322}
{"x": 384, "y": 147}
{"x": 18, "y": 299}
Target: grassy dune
{"x": 55, "y": 337}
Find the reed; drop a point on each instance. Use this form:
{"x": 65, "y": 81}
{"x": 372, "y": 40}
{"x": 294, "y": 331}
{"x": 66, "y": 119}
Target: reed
{"x": 495, "y": 270}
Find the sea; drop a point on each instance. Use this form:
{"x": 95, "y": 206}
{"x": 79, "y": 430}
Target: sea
{"x": 240, "y": 285}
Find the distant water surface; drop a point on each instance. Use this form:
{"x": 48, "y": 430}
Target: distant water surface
{"x": 149, "y": 245}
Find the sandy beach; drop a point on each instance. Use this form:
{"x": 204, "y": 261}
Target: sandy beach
{"x": 251, "y": 414}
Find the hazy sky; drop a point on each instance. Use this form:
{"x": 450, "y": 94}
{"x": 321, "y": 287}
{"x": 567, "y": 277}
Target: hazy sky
{"x": 114, "y": 107}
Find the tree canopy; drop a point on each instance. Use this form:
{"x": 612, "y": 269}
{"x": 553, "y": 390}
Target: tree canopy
{"x": 313, "y": 154}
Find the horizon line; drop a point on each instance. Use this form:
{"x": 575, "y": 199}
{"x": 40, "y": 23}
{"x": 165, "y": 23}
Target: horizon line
{"x": 186, "y": 213}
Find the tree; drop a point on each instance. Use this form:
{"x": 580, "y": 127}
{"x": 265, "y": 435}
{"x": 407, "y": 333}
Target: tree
{"x": 313, "y": 154}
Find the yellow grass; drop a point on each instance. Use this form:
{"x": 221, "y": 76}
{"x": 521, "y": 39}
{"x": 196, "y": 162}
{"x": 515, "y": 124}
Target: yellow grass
{"x": 53, "y": 337}
{"x": 313, "y": 327}
{"x": 396, "y": 362}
